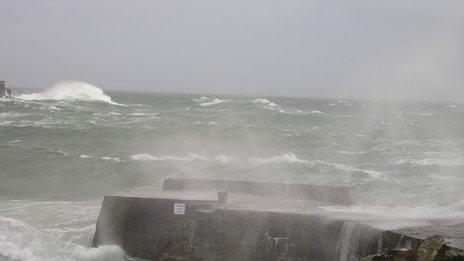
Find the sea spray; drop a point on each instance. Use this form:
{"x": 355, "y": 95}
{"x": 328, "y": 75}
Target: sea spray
{"x": 417, "y": 171}
{"x": 71, "y": 91}
{"x": 347, "y": 242}
{"x": 21, "y": 241}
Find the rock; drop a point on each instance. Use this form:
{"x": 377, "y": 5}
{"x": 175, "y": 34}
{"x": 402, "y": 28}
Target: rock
{"x": 4, "y": 92}
{"x": 393, "y": 255}
{"x": 432, "y": 249}
{"x": 453, "y": 254}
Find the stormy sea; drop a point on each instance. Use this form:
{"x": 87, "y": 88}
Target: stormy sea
{"x": 63, "y": 148}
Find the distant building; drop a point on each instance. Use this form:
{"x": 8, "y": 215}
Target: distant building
{"x": 4, "y": 92}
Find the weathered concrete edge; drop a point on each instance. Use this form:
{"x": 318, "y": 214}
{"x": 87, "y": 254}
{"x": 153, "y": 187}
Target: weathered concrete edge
{"x": 345, "y": 195}
{"x": 147, "y": 228}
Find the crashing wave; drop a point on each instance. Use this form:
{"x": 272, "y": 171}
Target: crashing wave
{"x": 70, "y": 91}
{"x": 21, "y": 241}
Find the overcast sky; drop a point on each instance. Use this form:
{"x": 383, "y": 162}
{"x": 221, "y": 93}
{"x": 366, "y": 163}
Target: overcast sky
{"x": 398, "y": 49}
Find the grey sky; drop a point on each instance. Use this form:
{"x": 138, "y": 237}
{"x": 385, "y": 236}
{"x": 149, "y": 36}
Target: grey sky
{"x": 363, "y": 49}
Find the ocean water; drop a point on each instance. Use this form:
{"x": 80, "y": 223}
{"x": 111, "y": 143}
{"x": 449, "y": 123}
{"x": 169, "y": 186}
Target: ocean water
{"x": 63, "y": 149}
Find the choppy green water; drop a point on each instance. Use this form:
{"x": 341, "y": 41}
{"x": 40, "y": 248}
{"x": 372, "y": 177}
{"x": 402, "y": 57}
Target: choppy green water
{"x": 60, "y": 152}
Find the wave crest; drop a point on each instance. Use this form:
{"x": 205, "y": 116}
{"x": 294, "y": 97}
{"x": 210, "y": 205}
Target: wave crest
{"x": 205, "y": 101}
{"x": 21, "y": 241}
{"x": 285, "y": 158}
{"x": 191, "y": 157}
{"x": 71, "y": 91}
{"x": 269, "y": 105}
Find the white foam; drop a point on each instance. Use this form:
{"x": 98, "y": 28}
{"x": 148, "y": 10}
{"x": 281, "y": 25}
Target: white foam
{"x": 115, "y": 113}
{"x": 351, "y": 152}
{"x": 101, "y": 253}
{"x": 316, "y": 112}
{"x": 20, "y": 241}
{"x": 83, "y": 156}
{"x": 201, "y": 99}
{"x": 350, "y": 169}
{"x": 53, "y": 107}
{"x": 430, "y": 162}
{"x": 190, "y": 157}
{"x": 144, "y": 157}
{"x": 148, "y": 157}
{"x": 112, "y": 159}
{"x": 267, "y": 104}
{"x": 285, "y": 158}
{"x": 213, "y": 102}
{"x": 263, "y": 101}
{"x": 291, "y": 158}
{"x": 143, "y": 114}
{"x": 71, "y": 91}
{"x": 62, "y": 153}
{"x": 224, "y": 158}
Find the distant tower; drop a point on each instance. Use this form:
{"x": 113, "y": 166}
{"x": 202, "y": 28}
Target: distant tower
{"x": 2, "y": 89}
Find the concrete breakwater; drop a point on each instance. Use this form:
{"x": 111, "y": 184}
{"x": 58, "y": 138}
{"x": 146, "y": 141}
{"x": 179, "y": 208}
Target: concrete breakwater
{"x": 194, "y": 225}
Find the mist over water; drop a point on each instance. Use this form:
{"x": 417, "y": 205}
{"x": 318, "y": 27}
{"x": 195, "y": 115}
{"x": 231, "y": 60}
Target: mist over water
{"x": 64, "y": 148}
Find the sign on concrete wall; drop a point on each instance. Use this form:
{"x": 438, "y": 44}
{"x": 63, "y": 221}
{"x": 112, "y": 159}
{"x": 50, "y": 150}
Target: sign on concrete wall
{"x": 179, "y": 209}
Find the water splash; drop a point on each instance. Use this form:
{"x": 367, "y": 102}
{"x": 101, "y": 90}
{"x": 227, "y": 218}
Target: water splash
{"x": 71, "y": 91}
{"x": 347, "y": 242}
{"x": 21, "y": 241}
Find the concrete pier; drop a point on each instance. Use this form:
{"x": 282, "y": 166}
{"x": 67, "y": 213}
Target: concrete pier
{"x": 178, "y": 224}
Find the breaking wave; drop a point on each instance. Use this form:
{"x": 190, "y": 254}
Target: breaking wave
{"x": 32, "y": 237}
{"x": 189, "y": 158}
{"x": 20, "y": 241}
{"x": 316, "y": 112}
{"x": 290, "y": 158}
{"x": 105, "y": 158}
{"x": 213, "y": 102}
{"x": 285, "y": 158}
{"x": 205, "y": 101}
{"x": 71, "y": 91}
{"x": 115, "y": 159}
{"x": 267, "y": 104}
